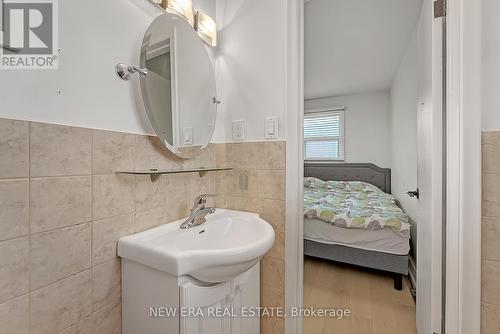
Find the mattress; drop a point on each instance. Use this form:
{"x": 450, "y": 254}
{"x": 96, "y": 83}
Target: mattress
{"x": 383, "y": 240}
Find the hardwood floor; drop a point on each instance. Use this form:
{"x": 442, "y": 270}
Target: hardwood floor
{"x": 376, "y": 308}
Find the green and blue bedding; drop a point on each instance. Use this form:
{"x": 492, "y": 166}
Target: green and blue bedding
{"x": 353, "y": 204}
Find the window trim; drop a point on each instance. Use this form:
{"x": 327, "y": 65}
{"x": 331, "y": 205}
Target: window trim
{"x": 338, "y": 110}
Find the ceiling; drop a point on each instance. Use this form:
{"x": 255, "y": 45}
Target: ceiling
{"x": 354, "y": 46}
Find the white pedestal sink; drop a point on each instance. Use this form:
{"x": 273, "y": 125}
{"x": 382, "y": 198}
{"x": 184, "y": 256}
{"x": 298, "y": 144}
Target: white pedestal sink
{"x": 170, "y": 267}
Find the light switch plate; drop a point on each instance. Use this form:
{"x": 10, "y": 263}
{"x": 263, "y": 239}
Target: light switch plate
{"x": 271, "y": 130}
{"x": 238, "y": 130}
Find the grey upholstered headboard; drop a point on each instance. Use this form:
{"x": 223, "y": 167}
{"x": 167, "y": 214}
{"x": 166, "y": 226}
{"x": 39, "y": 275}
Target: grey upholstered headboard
{"x": 366, "y": 172}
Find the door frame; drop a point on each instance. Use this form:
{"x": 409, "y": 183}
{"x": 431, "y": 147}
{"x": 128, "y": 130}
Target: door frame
{"x": 463, "y": 136}
{"x": 294, "y": 134}
{"x": 463, "y": 209}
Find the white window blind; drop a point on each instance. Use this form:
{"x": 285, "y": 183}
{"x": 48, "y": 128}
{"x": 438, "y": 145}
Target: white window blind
{"x": 324, "y": 134}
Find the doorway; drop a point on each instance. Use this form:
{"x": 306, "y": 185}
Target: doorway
{"x": 373, "y": 133}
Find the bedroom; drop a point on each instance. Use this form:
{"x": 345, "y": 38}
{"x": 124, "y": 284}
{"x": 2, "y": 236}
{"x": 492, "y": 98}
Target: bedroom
{"x": 360, "y": 124}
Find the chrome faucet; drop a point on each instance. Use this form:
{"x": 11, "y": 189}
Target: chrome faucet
{"x": 198, "y": 212}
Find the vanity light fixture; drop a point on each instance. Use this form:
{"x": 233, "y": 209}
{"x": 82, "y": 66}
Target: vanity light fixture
{"x": 206, "y": 28}
{"x": 182, "y": 8}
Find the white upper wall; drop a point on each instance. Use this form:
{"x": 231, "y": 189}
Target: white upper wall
{"x": 491, "y": 66}
{"x": 94, "y": 36}
{"x": 367, "y": 125}
{"x": 354, "y": 46}
{"x": 251, "y": 65}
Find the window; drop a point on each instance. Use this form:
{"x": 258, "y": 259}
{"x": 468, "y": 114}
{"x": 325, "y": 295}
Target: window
{"x": 324, "y": 134}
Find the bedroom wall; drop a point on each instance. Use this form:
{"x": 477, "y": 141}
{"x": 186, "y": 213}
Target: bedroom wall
{"x": 367, "y": 125}
{"x": 404, "y": 100}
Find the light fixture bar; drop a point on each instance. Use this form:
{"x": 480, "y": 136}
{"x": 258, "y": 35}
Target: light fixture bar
{"x": 206, "y": 28}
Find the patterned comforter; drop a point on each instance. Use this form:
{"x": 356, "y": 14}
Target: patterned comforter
{"x": 353, "y": 205}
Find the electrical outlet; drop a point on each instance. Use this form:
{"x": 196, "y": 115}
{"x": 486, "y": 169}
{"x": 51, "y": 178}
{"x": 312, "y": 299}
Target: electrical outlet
{"x": 238, "y": 130}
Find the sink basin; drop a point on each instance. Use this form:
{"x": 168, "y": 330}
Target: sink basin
{"x": 226, "y": 245}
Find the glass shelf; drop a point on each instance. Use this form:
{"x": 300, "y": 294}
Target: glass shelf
{"x": 156, "y": 173}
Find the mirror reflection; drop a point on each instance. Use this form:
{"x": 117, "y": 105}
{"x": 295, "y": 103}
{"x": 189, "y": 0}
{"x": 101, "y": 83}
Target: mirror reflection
{"x": 179, "y": 90}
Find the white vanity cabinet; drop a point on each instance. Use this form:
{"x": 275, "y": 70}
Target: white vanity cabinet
{"x": 203, "y": 302}
{"x": 204, "y": 279}
{"x": 150, "y": 298}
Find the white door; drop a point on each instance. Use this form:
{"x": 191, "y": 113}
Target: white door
{"x": 207, "y": 305}
{"x": 430, "y": 175}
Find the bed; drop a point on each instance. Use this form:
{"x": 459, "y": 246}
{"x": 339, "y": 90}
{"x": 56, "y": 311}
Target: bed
{"x": 380, "y": 249}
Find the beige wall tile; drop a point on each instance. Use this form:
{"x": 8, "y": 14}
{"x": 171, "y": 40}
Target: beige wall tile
{"x": 490, "y": 314}
{"x": 106, "y": 284}
{"x": 14, "y": 316}
{"x": 206, "y": 158}
{"x": 491, "y": 282}
{"x": 58, "y": 254}
{"x": 58, "y": 306}
{"x": 272, "y": 296}
{"x": 150, "y": 153}
{"x": 491, "y": 158}
{"x": 224, "y": 202}
{"x": 82, "y": 327}
{"x": 271, "y": 184}
{"x": 491, "y": 239}
{"x": 491, "y": 137}
{"x": 113, "y": 151}
{"x": 490, "y": 209}
{"x": 224, "y": 182}
{"x": 278, "y": 250}
{"x": 272, "y": 271}
{"x": 60, "y": 202}
{"x": 105, "y": 235}
{"x": 60, "y": 150}
{"x": 273, "y": 211}
{"x": 14, "y": 198}
{"x": 113, "y": 195}
{"x": 272, "y": 325}
{"x": 150, "y": 195}
{"x": 152, "y": 218}
{"x": 220, "y": 155}
{"x": 247, "y": 204}
{"x": 14, "y": 149}
{"x": 491, "y": 188}
{"x": 107, "y": 320}
{"x": 180, "y": 198}
{"x": 202, "y": 185}
{"x": 256, "y": 156}
{"x": 14, "y": 268}
{"x": 490, "y": 319}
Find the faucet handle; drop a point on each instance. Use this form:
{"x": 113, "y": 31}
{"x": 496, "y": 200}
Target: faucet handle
{"x": 202, "y": 199}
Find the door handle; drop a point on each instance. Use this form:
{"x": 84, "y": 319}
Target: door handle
{"x": 414, "y": 193}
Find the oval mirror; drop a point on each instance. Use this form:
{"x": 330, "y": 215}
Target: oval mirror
{"x": 178, "y": 91}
